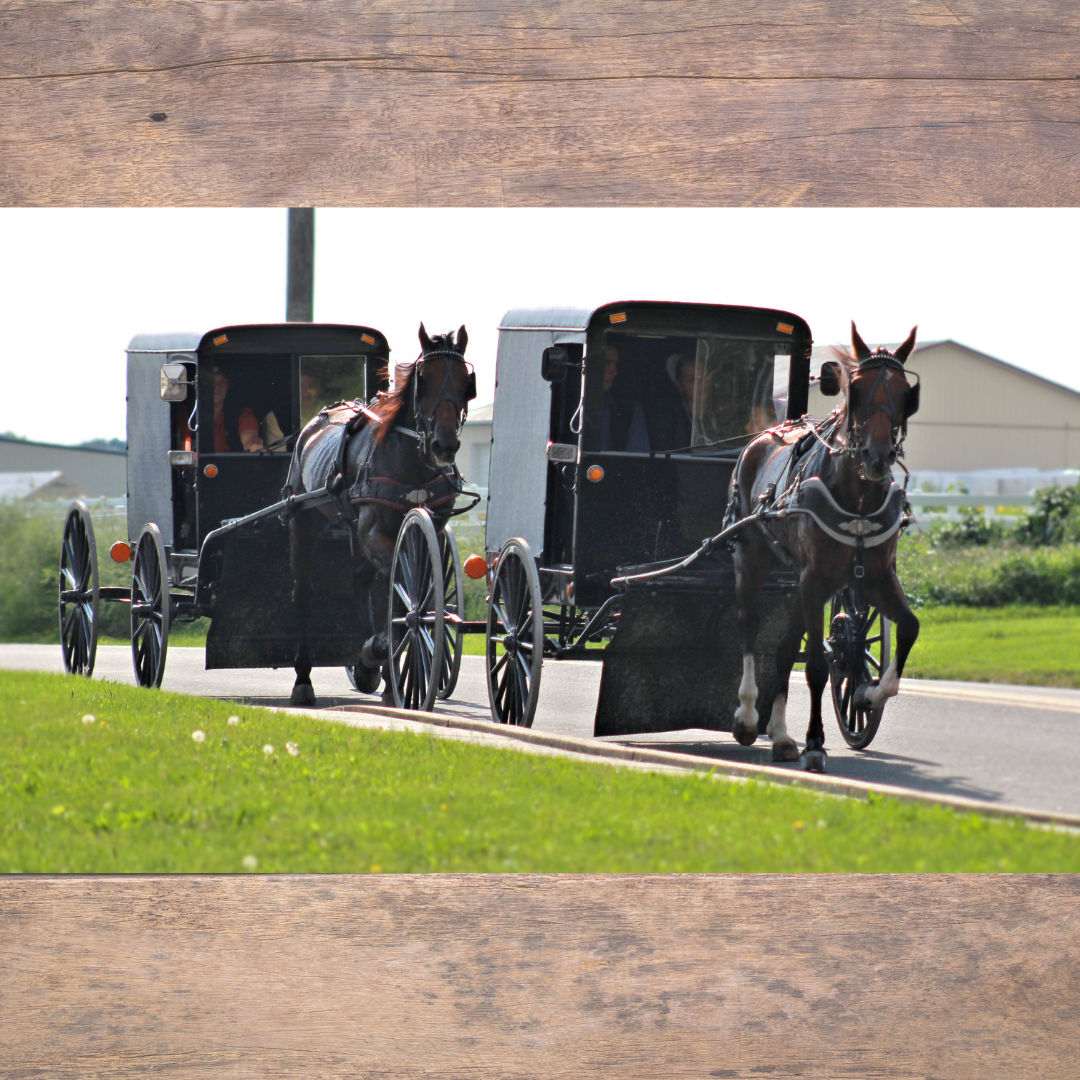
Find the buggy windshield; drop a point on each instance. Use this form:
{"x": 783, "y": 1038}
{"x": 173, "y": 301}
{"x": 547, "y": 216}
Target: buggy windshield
{"x": 665, "y": 392}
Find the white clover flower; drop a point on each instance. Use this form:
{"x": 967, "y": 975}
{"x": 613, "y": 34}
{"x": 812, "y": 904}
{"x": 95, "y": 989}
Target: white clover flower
{"x": 233, "y": 721}
{"x": 293, "y": 748}
{"x": 199, "y": 736}
{"x": 89, "y": 718}
{"x": 268, "y": 749}
{"x": 249, "y": 862}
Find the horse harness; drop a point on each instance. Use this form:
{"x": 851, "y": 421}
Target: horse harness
{"x": 799, "y": 489}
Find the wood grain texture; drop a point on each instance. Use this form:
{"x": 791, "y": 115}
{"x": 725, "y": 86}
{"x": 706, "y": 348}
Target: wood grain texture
{"x": 578, "y": 102}
{"x": 541, "y": 976}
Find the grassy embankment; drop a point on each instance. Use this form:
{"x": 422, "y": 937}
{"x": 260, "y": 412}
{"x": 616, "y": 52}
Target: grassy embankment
{"x": 131, "y": 791}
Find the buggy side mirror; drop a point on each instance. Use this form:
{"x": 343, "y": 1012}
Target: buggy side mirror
{"x": 174, "y": 382}
{"x": 555, "y": 361}
{"x": 829, "y": 380}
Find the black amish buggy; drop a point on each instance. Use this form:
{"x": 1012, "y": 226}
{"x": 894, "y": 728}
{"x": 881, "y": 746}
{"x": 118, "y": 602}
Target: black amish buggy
{"x": 615, "y": 433}
{"x": 212, "y": 419}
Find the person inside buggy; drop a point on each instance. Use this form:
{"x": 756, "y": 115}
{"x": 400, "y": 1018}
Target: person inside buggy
{"x": 690, "y": 391}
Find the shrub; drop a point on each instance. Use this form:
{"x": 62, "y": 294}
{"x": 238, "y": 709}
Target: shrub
{"x": 973, "y": 529}
{"x": 1054, "y": 518}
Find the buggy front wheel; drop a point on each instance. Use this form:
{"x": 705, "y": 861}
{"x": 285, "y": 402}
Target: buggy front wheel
{"x": 858, "y": 649}
{"x": 150, "y": 609}
{"x": 79, "y": 592}
{"x": 515, "y": 636}
{"x": 416, "y": 627}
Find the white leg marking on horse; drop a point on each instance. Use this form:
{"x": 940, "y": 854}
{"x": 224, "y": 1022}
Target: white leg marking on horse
{"x": 887, "y": 688}
{"x": 746, "y": 715}
{"x": 777, "y": 729}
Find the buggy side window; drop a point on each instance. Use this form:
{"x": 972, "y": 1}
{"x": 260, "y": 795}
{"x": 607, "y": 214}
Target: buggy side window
{"x": 327, "y": 379}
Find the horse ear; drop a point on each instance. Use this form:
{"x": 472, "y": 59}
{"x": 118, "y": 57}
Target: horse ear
{"x": 425, "y": 341}
{"x": 861, "y": 351}
{"x": 470, "y": 386}
{"x": 462, "y": 339}
{"x": 904, "y": 351}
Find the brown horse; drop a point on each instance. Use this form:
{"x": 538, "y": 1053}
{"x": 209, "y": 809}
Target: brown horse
{"x": 829, "y": 509}
{"x": 380, "y": 462}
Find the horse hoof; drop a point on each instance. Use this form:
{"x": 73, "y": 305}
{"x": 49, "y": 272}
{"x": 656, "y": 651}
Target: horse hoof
{"x": 745, "y": 736}
{"x": 786, "y": 750}
{"x": 367, "y": 679}
{"x": 375, "y": 652}
{"x": 861, "y": 700}
{"x": 303, "y": 694}
{"x": 388, "y": 698}
{"x": 815, "y": 761}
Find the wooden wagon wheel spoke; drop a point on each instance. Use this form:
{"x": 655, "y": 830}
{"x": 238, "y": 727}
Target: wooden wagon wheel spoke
{"x": 78, "y": 592}
{"x": 416, "y": 626}
{"x": 515, "y": 636}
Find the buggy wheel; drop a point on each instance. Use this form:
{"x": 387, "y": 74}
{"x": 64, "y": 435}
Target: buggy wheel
{"x": 79, "y": 593}
{"x": 858, "y": 649}
{"x": 515, "y": 636}
{"x": 416, "y": 621}
{"x": 454, "y": 611}
{"x": 150, "y": 608}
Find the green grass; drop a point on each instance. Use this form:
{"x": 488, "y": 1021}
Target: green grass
{"x": 1037, "y": 646}
{"x": 132, "y": 792}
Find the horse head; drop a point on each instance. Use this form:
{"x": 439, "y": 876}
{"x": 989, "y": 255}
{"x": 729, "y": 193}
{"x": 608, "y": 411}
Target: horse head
{"x": 443, "y": 386}
{"x": 879, "y": 399}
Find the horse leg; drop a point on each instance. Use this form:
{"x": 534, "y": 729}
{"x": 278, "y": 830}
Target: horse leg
{"x": 749, "y": 576}
{"x": 892, "y": 604}
{"x": 378, "y": 548}
{"x": 817, "y": 676}
{"x": 367, "y": 671}
{"x": 304, "y": 533}
{"x": 784, "y": 747}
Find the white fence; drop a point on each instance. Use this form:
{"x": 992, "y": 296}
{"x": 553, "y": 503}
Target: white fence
{"x": 931, "y": 506}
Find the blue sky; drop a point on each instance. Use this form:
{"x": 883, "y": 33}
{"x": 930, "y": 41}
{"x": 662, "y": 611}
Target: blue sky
{"x": 77, "y": 284}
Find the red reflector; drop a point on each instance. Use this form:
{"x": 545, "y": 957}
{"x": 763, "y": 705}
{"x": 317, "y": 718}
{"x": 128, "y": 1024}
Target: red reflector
{"x": 210, "y": 471}
{"x": 475, "y": 567}
{"x": 120, "y": 551}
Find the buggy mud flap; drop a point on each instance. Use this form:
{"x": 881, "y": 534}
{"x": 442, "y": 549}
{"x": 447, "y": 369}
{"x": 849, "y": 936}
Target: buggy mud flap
{"x": 250, "y": 588}
{"x": 675, "y": 661}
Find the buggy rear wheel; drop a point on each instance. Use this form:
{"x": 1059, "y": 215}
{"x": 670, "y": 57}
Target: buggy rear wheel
{"x": 416, "y": 629}
{"x": 859, "y": 650}
{"x": 515, "y": 636}
{"x": 79, "y": 593}
{"x": 150, "y": 608}
{"x": 454, "y": 611}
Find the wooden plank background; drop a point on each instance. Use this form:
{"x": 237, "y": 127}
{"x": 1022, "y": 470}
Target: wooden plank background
{"x": 565, "y": 102}
{"x": 541, "y": 976}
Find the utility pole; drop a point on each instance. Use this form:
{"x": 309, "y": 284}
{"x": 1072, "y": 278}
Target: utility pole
{"x": 300, "y": 286}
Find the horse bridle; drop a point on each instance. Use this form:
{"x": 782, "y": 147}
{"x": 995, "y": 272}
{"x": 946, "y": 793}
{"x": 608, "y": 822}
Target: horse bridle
{"x": 424, "y": 426}
{"x": 884, "y": 361}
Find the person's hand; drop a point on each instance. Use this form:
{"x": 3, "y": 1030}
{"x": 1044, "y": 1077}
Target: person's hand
{"x": 255, "y": 444}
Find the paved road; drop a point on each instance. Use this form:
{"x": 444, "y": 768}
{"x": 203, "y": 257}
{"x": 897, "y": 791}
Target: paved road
{"x": 1012, "y": 745}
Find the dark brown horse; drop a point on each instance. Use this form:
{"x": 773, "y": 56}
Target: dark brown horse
{"x": 380, "y": 462}
{"x": 830, "y": 510}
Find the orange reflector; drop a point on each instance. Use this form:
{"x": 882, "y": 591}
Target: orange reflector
{"x": 367, "y": 339}
{"x": 210, "y": 471}
{"x": 120, "y": 551}
{"x": 475, "y": 567}
{"x": 594, "y": 473}
{"x": 221, "y": 340}
{"x": 784, "y": 328}
{"x": 620, "y": 317}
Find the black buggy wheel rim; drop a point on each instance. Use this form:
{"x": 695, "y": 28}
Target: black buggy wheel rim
{"x": 149, "y": 609}
{"x": 454, "y": 612}
{"x": 79, "y": 593}
{"x": 858, "y": 654}
{"x": 416, "y": 630}
{"x": 515, "y": 637}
